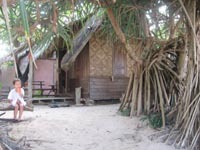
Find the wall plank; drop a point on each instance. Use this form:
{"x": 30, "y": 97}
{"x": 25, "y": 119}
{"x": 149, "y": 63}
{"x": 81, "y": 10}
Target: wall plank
{"x": 102, "y": 88}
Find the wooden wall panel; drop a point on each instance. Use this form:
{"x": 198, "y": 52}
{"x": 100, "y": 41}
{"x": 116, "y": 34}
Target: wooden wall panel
{"x": 102, "y": 88}
{"x": 84, "y": 83}
{"x": 78, "y": 75}
{"x": 82, "y": 63}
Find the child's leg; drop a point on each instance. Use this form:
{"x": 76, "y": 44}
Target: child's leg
{"x": 21, "y": 109}
{"x": 16, "y": 110}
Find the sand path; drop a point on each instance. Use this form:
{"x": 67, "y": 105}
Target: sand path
{"x": 84, "y": 128}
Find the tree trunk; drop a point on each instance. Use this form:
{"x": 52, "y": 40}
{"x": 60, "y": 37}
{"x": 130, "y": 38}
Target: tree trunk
{"x": 131, "y": 53}
{"x": 30, "y": 79}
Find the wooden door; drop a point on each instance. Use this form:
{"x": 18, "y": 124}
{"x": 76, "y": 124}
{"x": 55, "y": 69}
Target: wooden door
{"x": 62, "y": 75}
{"x": 119, "y": 61}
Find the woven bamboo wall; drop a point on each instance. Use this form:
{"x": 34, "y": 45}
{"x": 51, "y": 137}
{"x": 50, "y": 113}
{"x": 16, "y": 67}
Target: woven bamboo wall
{"x": 100, "y": 57}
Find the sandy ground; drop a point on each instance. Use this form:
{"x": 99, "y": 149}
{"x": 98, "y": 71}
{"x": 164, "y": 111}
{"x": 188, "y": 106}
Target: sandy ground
{"x": 84, "y": 128}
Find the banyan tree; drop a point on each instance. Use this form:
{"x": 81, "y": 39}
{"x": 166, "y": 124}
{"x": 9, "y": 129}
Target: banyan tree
{"x": 162, "y": 40}
{"x": 160, "y": 37}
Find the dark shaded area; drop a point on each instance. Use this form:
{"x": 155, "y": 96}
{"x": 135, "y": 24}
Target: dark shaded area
{"x": 23, "y": 77}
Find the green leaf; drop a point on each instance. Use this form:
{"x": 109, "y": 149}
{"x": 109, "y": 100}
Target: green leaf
{"x": 24, "y": 18}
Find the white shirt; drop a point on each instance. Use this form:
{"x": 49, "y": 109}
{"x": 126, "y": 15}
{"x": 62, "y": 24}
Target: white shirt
{"x": 14, "y": 96}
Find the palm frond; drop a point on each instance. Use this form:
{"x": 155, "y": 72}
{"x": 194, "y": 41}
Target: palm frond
{"x": 43, "y": 45}
{"x": 5, "y": 8}
{"x": 25, "y": 22}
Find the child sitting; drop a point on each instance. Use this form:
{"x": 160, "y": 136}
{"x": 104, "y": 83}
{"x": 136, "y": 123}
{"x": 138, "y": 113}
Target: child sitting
{"x": 16, "y": 98}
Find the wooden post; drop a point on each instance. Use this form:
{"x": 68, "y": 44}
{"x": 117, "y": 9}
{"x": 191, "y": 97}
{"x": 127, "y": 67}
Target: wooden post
{"x": 78, "y": 95}
{"x": 30, "y": 79}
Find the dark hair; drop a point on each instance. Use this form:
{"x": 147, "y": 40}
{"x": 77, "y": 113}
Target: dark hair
{"x": 16, "y": 80}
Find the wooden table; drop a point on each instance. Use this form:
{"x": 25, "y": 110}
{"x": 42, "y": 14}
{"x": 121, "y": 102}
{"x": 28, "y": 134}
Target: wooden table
{"x": 38, "y": 83}
{"x": 49, "y": 90}
{"x": 52, "y": 89}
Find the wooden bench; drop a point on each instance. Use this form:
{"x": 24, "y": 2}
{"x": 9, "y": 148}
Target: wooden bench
{"x": 6, "y": 106}
{"x": 4, "y": 92}
{"x": 5, "y": 102}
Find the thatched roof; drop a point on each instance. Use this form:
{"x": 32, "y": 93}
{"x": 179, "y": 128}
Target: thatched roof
{"x": 22, "y": 50}
{"x": 81, "y": 39}
{"x": 79, "y": 42}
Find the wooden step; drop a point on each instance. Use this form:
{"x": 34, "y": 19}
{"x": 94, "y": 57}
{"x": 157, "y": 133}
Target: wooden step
{"x": 41, "y": 100}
